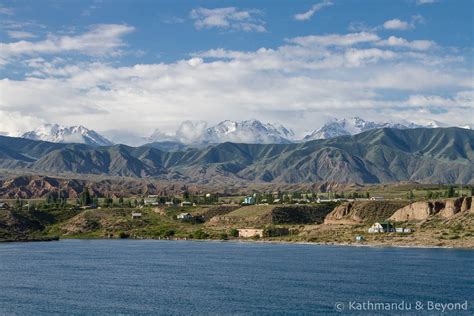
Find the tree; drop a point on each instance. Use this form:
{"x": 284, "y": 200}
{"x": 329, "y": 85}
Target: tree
{"x": 367, "y": 195}
{"x": 450, "y": 192}
{"x": 85, "y": 197}
{"x": 411, "y": 196}
{"x": 234, "y": 232}
{"x": 429, "y": 194}
{"x": 18, "y": 203}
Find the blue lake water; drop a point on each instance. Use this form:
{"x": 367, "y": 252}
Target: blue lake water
{"x": 97, "y": 277}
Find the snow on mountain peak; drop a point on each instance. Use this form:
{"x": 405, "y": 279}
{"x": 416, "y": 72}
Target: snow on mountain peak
{"x": 73, "y": 134}
{"x": 249, "y": 131}
{"x": 355, "y": 125}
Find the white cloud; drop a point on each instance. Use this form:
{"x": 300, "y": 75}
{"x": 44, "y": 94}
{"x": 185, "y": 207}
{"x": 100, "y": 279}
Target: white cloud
{"x": 299, "y": 84}
{"x": 396, "y": 24}
{"x": 16, "y": 123}
{"x": 462, "y": 98}
{"x": 100, "y": 40}
{"x": 421, "y": 2}
{"x": 228, "y": 18}
{"x": 6, "y": 11}
{"x": 393, "y": 24}
{"x": 358, "y": 57}
{"x": 20, "y": 34}
{"x": 401, "y": 42}
{"x": 315, "y": 8}
{"x": 335, "y": 39}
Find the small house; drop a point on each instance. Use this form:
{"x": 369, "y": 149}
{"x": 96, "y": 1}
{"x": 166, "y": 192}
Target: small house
{"x": 381, "y": 228}
{"x": 249, "y": 200}
{"x": 3, "y": 206}
{"x": 319, "y": 200}
{"x": 152, "y": 202}
{"x": 186, "y": 203}
{"x": 402, "y": 230}
{"x": 376, "y": 198}
{"x": 136, "y": 215}
{"x": 185, "y": 216}
{"x": 169, "y": 203}
{"x": 360, "y": 238}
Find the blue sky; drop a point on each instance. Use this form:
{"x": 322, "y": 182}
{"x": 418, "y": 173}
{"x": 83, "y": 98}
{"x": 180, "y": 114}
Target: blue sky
{"x": 136, "y": 66}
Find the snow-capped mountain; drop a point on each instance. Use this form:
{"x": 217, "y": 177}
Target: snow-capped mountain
{"x": 73, "y": 134}
{"x": 355, "y": 125}
{"x": 250, "y": 131}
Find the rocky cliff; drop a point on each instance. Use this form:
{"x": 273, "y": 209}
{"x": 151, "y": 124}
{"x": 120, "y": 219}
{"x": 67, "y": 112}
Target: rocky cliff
{"x": 419, "y": 211}
{"x": 357, "y": 212}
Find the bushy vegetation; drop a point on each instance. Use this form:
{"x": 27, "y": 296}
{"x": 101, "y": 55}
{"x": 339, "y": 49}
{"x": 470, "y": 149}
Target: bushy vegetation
{"x": 199, "y": 234}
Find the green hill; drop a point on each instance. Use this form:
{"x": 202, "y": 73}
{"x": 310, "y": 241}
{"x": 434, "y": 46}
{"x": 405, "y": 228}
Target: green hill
{"x": 441, "y": 155}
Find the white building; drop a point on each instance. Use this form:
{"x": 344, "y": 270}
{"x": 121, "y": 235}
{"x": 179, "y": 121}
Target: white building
{"x": 152, "y": 202}
{"x": 381, "y": 228}
{"x": 402, "y": 230}
{"x": 184, "y": 216}
{"x": 136, "y": 215}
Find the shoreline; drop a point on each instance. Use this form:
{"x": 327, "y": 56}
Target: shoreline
{"x": 250, "y": 241}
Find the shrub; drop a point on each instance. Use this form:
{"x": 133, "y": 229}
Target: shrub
{"x": 223, "y": 236}
{"x": 234, "y": 232}
{"x": 169, "y": 233}
{"x": 124, "y": 235}
{"x": 199, "y": 234}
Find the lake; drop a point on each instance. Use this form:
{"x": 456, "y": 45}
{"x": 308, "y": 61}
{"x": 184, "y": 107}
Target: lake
{"x": 97, "y": 277}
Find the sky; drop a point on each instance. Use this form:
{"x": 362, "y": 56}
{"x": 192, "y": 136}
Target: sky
{"x": 131, "y": 67}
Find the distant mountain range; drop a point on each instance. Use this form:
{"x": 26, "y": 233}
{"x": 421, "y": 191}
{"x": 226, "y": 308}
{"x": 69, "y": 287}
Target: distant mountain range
{"x": 249, "y": 132}
{"x": 198, "y": 134}
{"x": 60, "y": 134}
{"x": 427, "y": 155}
{"x": 355, "y": 125}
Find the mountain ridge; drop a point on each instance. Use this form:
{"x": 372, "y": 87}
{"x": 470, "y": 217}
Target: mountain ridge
{"x": 197, "y": 134}
{"x": 72, "y": 134}
{"x": 376, "y": 156}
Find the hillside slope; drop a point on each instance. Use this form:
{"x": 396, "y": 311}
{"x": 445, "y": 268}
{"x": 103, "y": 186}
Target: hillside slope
{"x": 442, "y": 155}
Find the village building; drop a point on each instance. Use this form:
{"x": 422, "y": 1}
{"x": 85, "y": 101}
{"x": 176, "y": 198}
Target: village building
{"x": 186, "y": 203}
{"x": 152, "y": 202}
{"x": 381, "y": 228}
{"x": 3, "y": 206}
{"x": 249, "y": 200}
{"x": 136, "y": 215}
{"x": 185, "y": 216}
{"x": 377, "y": 198}
{"x": 402, "y": 230}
